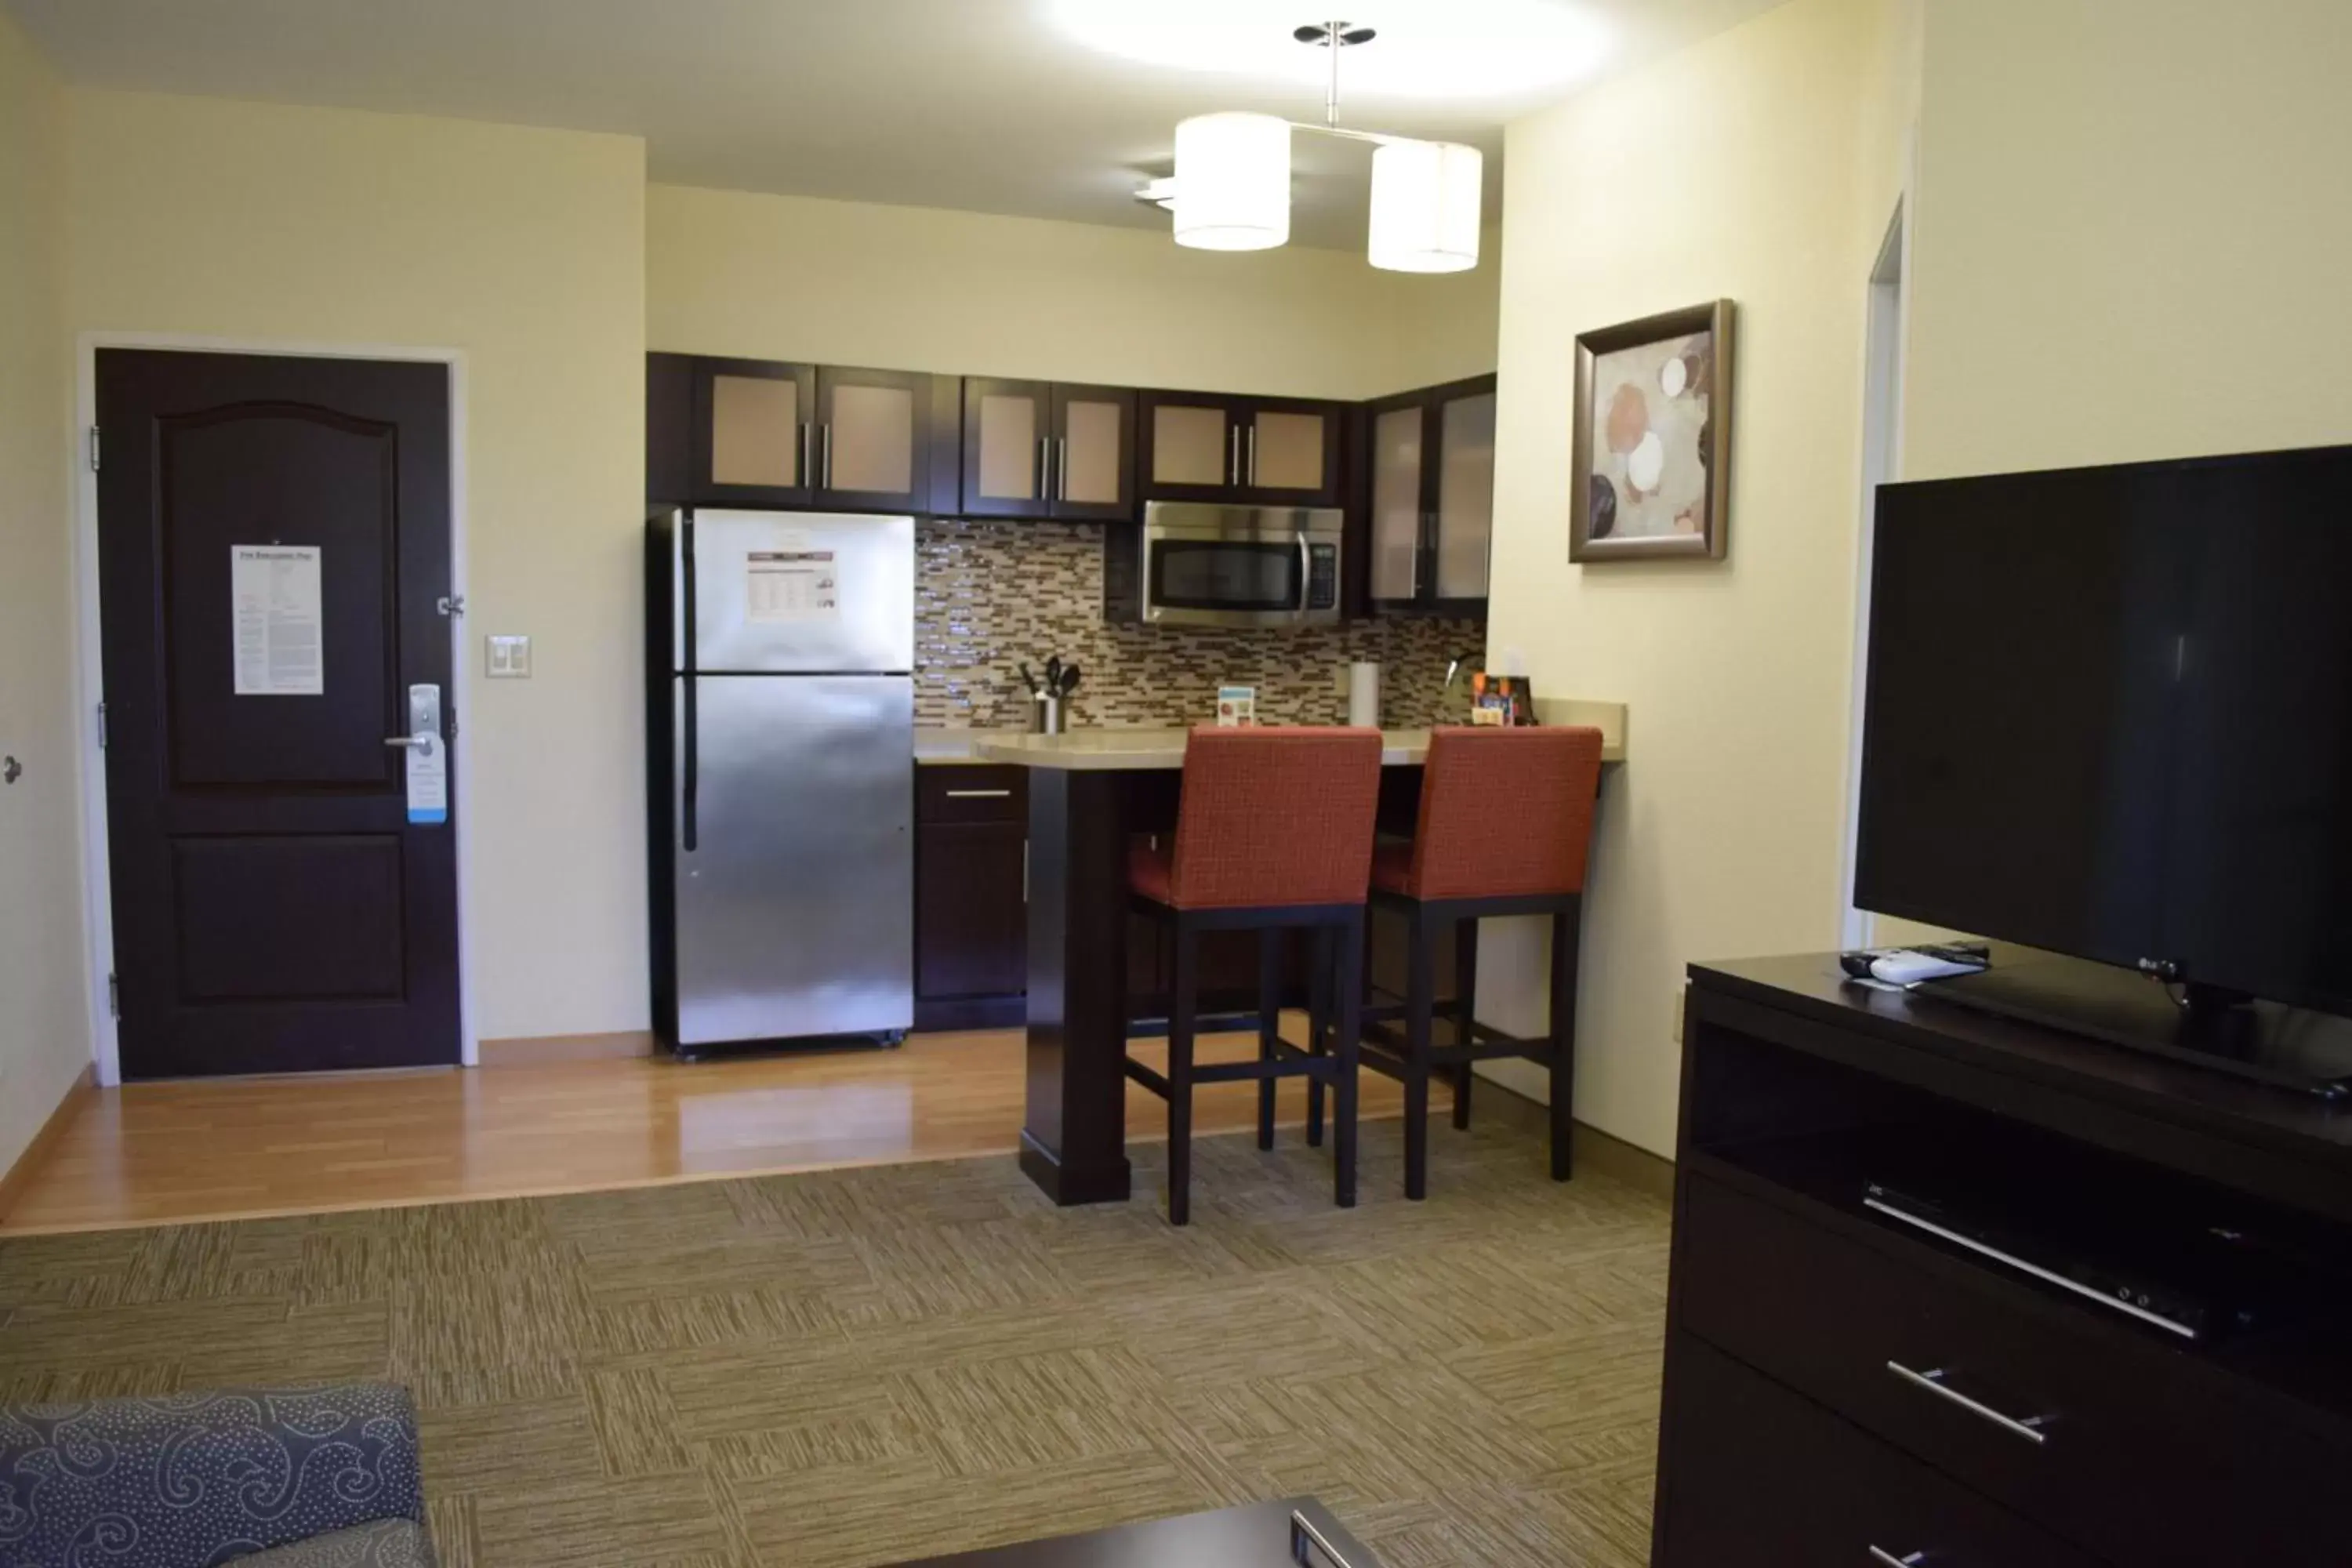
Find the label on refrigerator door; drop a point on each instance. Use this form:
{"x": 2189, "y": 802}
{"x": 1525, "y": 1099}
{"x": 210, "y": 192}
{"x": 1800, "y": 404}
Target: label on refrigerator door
{"x": 276, "y": 619}
{"x": 791, "y": 586}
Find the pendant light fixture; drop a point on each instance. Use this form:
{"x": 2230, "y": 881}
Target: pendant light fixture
{"x": 1232, "y": 181}
{"x": 1425, "y": 198}
{"x": 1232, "y": 187}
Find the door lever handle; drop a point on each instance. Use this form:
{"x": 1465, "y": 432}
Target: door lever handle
{"x": 410, "y": 742}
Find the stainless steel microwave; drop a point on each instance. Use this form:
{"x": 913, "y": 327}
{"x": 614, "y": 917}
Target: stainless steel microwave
{"x": 1196, "y": 564}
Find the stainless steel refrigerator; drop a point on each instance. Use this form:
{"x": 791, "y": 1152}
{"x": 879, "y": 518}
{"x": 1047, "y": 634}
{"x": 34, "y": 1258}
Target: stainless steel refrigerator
{"x": 781, "y": 715}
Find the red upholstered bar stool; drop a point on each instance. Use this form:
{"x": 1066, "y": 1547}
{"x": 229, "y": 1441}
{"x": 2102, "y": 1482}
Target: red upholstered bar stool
{"x": 1506, "y": 821}
{"x": 1274, "y": 833}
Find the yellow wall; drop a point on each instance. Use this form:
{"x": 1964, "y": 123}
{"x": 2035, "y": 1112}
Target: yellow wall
{"x": 1762, "y": 166}
{"x": 525, "y": 250}
{"x": 730, "y": 272}
{"x": 2133, "y": 232}
{"x": 44, "y": 1028}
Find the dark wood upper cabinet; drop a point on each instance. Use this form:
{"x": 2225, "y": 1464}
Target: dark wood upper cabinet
{"x": 765, "y": 432}
{"x": 873, "y": 440}
{"x": 669, "y": 428}
{"x": 1429, "y": 482}
{"x": 1038, "y": 449}
{"x": 755, "y": 433}
{"x": 1249, "y": 452}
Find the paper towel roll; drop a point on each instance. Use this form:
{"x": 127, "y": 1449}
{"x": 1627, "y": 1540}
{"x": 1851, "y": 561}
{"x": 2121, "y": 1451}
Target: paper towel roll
{"x": 1364, "y": 696}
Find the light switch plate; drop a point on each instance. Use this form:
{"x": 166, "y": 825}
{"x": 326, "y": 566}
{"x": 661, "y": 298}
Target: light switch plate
{"x": 510, "y": 657}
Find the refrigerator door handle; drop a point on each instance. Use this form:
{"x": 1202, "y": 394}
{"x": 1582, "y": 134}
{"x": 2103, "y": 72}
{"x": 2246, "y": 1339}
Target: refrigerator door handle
{"x": 690, "y": 771}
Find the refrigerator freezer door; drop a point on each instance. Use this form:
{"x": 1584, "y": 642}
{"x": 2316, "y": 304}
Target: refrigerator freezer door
{"x": 795, "y": 911}
{"x": 800, "y": 591}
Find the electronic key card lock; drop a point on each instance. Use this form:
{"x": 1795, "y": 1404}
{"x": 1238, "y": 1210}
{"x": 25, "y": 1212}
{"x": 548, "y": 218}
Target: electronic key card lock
{"x": 429, "y": 757}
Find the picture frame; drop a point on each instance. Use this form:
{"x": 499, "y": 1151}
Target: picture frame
{"x": 1650, "y": 465}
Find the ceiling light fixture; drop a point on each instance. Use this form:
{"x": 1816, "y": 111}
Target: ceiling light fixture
{"x": 1232, "y": 185}
{"x": 1232, "y": 181}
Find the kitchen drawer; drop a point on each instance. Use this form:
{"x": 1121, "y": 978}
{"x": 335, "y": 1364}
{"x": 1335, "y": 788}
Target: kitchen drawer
{"x": 953, "y": 791}
{"x": 2126, "y": 1449}
{"x": 1762, "y": 1477}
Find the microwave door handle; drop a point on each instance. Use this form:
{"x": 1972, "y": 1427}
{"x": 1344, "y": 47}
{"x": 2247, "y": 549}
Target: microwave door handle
{"x": 1305, "y": 576}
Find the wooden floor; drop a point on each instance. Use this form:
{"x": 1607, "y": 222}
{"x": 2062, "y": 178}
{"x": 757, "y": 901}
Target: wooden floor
{"x": 153, "y": 1153}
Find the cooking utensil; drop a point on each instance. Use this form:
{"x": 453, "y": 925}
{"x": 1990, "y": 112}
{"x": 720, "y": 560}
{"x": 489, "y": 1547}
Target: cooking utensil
{"x": 1069, "y": 679}
{"x": 1028, "y": 682}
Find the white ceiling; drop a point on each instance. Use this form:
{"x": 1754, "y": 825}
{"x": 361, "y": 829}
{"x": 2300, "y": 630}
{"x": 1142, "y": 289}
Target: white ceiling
{"x": 988, "y": 105}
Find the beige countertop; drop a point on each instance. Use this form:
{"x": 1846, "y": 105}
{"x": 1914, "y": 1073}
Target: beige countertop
{"x": 1107, "y": 749}
{"x": 935, "y": 748}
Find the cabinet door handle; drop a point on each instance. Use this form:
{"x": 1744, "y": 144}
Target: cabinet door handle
{"x": 829, "y": 455}
{"x": 1234, "y": 455}
{"x": 1062, "y": 470}
{"x": 807, "y": 476}
{"x": 1908, "y": 1560}
{"x": 1044, "y": 468}
{"x": 2027, "y": 1428}
{"x": 980, "y": 794}
{"x": 1253, "y": 456}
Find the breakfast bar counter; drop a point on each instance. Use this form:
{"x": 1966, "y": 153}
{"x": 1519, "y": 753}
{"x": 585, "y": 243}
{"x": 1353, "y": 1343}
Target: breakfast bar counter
{"x": 1091, "y": 793}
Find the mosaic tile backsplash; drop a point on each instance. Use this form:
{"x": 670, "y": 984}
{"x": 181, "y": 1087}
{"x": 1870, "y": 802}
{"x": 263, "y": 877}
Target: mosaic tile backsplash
{"x": 990, "y": 596}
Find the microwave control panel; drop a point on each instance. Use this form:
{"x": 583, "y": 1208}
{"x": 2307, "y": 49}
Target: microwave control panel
{"x": 1322, "y": 577}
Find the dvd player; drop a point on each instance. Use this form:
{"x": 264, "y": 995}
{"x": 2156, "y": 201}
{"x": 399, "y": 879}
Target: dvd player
{"x": 2118, "y": 1287}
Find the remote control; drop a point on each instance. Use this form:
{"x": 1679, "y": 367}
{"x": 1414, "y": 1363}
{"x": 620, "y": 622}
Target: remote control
{"x": 1907, "y": 966}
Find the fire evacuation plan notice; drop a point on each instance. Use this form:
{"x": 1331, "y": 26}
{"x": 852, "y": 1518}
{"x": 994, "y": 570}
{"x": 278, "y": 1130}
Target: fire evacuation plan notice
{"x": 277, "y": 619}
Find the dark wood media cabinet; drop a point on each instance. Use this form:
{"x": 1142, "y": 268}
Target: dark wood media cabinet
{"x": 1842, "y": 1387}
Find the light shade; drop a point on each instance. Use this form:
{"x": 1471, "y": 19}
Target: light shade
{"x": 1425, "y": 199}
{"x": 1232, "y": 181}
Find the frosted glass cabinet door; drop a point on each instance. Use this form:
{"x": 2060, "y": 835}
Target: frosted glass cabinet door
{"x": 1094, "y": 453}
{"x": 1288, "y": 453}
{"x": 752, "y": 431}
{"x": 1006, "y": 431}
{"x": 1194, "y": 445}
{"x": 1396, "y": 502}
{"x": 874, "y": 438}
{"x": 1465, "y": 495}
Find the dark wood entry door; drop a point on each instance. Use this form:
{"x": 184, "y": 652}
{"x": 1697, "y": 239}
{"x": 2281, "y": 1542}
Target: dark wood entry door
{"x": 273, "y": 546}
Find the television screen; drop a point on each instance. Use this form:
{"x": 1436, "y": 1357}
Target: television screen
{"x": 2109, "y": 712}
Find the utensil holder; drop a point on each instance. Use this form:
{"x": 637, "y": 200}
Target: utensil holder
{"x": 1045, "y": 713}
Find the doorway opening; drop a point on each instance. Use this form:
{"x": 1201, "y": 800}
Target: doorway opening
{"x": 1882, "y": 463}
{"x": 270, "y": 572}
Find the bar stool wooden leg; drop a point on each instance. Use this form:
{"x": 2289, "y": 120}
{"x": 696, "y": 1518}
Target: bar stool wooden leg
{"x": 1421, "y": 986}
{"x": 1269, "y": 1025}
{"x": 1466, "y": 991}
{"x": 1565, "y": 940}
{"x": 1345, "y": 1051}
{"x": 1318, "y": 1022}
{"x": 1181, "y": 1004}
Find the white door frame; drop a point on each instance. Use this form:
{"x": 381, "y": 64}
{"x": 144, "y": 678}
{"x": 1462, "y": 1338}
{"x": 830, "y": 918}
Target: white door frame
{"x": 1882, "y": 462}
{"x": 90, "y": 667}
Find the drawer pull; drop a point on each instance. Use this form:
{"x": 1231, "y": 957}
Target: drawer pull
{"x": 980, "y": 794}
{"x": 1908, "y": 1560}
{"x": 1933, "y": 1382}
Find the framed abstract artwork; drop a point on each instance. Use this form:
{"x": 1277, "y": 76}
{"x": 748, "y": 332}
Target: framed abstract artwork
{"x": 1652, "y": 437}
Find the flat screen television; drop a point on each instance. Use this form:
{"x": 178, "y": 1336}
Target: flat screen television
{"x": 2109, "y": 713}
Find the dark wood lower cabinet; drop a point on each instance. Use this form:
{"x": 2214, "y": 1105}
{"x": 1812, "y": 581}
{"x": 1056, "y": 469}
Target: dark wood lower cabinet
{"x": 1778, "y": 1481}
{"x": 1844, "y": 1386}
{"x": 972, "y": 841}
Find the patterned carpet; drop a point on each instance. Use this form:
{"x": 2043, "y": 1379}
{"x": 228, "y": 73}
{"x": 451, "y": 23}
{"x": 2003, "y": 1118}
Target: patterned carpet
{"x": 862, "y": 1367}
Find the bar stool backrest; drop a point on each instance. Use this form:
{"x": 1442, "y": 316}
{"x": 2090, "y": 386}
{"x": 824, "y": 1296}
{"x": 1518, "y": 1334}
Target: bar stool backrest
{"x": 1276, "y": 816}
{"x": 1506, "y": 813}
